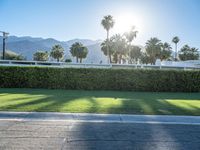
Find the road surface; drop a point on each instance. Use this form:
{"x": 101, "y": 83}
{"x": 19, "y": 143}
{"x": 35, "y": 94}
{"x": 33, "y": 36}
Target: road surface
{"x": 61, "y": 135}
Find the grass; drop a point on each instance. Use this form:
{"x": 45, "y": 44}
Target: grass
{"x": 40, "y": 100}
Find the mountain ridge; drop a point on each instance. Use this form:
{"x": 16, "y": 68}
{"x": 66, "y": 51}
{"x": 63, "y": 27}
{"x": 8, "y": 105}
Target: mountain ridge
{"x": 27, "y": 46}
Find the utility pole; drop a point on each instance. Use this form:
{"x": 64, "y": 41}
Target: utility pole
{"x": 5, "y": 35}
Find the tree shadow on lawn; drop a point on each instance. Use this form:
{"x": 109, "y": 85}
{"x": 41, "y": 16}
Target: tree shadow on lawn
{"x": 41, "y": 101}
{"x": 90, "y": 102}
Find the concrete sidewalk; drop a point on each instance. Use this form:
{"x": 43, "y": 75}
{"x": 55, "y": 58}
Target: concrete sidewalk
{"x": 106, "y": 118}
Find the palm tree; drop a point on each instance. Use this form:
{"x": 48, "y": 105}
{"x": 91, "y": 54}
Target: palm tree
{"x": 82, "y": 53}
{"x": 175, "y": 40}
{"x": 108, "y": 23}
{"x": 79, "y": 51}
{"x": 130, "y": 36}
{"x": 165, "y": 51}
{"x": 107, "y": 44}
{"x": 73, "y": 50}
{"x": 57, "y": 52}
{"x": 153, "y": 49}
{"x": 119, "y": 46}
{"x": 188, "y": 53}
{"x": 135, "y": 54}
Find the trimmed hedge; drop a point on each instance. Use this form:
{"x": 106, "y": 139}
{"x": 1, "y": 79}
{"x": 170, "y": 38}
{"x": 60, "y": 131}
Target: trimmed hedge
{"x": 100, "y": 79}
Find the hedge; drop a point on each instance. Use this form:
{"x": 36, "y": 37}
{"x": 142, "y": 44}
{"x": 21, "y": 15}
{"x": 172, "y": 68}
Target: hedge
{"x": 100, "y": 79}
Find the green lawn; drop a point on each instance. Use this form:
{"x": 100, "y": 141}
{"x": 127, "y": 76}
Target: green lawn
{"x": 99, "y": 102}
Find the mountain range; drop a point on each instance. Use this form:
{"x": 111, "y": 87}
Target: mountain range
{"x": 27, "y": 46}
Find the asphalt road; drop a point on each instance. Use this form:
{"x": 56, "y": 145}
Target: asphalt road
{"x": 58, "y": 135}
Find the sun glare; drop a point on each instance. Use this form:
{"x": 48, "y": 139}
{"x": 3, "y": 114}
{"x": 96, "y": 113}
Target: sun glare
{"x": 124, "y": 22}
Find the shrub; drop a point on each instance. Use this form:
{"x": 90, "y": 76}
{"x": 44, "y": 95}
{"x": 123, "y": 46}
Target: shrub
{"x": 100, "y": 79}
{"x": 68, "y": 60}
{"x": 41, "y": 56}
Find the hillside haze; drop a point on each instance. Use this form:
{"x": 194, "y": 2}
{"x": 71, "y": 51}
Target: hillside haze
{"x": 27, "y": 46}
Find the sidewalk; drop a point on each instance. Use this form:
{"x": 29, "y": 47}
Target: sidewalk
{"x": 106, "y": 118}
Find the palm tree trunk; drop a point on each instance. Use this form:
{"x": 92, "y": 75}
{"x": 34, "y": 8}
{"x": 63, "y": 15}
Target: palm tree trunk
{"x": 80, "y": 60}
{"x": 108, "y": 47}
{"x": 76, "y": 59}
{"x": 176, "y": 54}
{"x": 129, "y": 49}
{"x": 57, "y": 59}
{"x": 120, "y": 59}
{"x": 110, "y": 58}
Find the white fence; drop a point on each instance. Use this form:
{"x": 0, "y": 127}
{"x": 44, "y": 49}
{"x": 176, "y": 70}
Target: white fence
{"x": 166, "y": 65}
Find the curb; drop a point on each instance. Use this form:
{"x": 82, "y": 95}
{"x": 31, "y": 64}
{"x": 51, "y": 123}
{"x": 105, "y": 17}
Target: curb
{"x": 105, "y": 118}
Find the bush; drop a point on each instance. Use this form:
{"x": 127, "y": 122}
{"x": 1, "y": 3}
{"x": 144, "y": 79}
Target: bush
{"x": 68, "y": 60}
{"x": 10, "y": 55}
{"x": 41, "y": 56}
{"x": 100, "y": 79}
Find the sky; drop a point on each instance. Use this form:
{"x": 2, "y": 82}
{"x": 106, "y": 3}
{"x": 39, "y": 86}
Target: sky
{"x": 70, "y": 19}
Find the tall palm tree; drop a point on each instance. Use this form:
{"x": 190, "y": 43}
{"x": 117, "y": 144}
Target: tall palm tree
{"x": 108, "y": 23}
{"x": 175, "y": 40}
{"x": 130, "y": 36}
